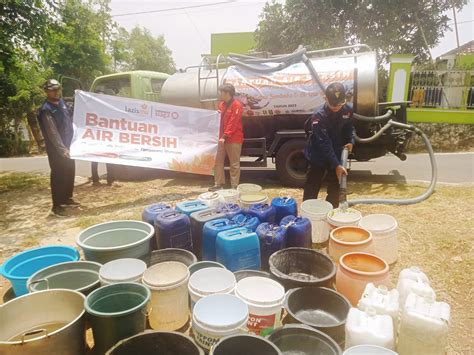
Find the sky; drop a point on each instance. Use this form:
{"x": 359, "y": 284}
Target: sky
{"x": 188, "y": 32}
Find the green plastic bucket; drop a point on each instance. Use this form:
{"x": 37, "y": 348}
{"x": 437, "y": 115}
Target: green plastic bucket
{"x": 116, "y": 312}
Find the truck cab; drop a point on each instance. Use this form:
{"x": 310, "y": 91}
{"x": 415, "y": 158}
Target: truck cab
{"x": 139, "y": 84}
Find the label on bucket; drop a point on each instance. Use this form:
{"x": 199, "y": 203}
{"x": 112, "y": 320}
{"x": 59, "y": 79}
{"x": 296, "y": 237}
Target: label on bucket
{"x": 257, "y": 323}
{"x": 204, "y": 340}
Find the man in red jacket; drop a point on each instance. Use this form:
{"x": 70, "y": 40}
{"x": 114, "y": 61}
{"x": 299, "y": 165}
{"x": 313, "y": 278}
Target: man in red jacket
{"x": 231, "y": 137}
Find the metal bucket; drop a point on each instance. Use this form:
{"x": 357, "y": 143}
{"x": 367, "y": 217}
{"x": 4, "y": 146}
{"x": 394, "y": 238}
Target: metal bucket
{"x": 45, "y": 322}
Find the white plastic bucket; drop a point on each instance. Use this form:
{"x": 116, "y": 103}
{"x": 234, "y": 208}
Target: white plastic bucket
{"x": 340, "y": 218}
{"x": 211, "y": 199}
{"x": 316, "y": 211}
{"x": 230, "y": 195}
{"x": 265, "y": 298}
{"x": 168, "y": 282}
{"x": 122, "y": 270}
{"x": 249, "y": 188}
{"x": 384, "y": 231}
{"x": 210, "y": 281}
{"x": 250, "y": 198}
{"x": 217, "y": 316}
{"x": 368, "y": 350}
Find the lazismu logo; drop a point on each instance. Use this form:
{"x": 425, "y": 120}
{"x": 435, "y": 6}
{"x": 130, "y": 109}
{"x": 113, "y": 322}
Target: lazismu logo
{"x": 142, "y": 110}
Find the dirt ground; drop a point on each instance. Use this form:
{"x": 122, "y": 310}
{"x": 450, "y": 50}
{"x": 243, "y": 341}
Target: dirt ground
{"x": 436, "y": 235}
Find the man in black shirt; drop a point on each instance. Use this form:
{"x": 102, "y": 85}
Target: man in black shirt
{"x": 55, "y": 121}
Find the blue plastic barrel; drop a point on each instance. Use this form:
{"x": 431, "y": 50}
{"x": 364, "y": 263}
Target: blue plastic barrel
{"x": 230, "y": 209}
{"x": 21, "y": 266}
{"x": 298, "y": 231}
{"x": 209, "y": 235}
{"x": 284, "y": 206}
{"x": 188, "y": 207}
{"x": 198, "y": 219}
{"x": 173, "y": 230}
{"x": 272, "y": 239}
{"x": 247, "y": 221}
{"x": 263, "y": 211}
{"x": 149, "y": 212}
{"x": 238, "y": 249}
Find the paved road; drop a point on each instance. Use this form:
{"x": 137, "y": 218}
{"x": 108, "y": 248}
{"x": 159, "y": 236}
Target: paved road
{"x": 452, "y": 168}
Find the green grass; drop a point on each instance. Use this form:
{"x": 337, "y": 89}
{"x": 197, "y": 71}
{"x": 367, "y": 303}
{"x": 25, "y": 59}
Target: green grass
{"x": 21, "y": 181}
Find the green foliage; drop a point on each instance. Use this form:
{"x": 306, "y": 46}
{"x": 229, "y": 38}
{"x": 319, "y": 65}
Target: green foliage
{"x": 139, "y": 50}
{"x": 76, "y": 46}
{"x": 388, "y": 26}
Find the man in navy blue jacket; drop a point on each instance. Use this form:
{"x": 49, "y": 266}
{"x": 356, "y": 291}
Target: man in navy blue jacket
{"x": 331, "y": 130}
{"x": 55, "y": 122}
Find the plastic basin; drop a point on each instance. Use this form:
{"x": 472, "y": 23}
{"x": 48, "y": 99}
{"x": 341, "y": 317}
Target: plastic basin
{"x": 320, "y": 308}
{"x": 116, "y": 240}
{"x": 21, "y": 266}
{"x": 152, "y": 343}
{"x": 81, "y": 276}
{"x": 302, "y": 340}
{"x": 301, "y": 267}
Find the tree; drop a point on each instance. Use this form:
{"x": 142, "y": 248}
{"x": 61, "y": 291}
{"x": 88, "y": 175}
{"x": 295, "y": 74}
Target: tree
{"x": 139, "y": 50}
{"x": 388, "y": 26}
{"x": 76, "y": 46}
{"x": 22, "y": 23}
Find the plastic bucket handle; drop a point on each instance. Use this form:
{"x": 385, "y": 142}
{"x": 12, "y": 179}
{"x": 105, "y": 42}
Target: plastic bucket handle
{"x": 33, "y": 332}
{"x": 286, "y": 196}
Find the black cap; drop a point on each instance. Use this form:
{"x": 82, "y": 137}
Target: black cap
{"x": 228, "y": 88}
{"x": 51, "y": 84}
{"x": 335, "y": 94}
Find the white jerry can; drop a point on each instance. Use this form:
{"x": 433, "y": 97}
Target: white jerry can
{"x": 413, "y": 280}
{"x": 369, "y": 328}
{"x": 384, "y": 301}
{"x": 423, "y": 326}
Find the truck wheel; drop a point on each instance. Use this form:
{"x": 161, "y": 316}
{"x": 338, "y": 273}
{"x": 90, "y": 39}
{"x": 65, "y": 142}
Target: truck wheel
{"x": 291, "y": 165}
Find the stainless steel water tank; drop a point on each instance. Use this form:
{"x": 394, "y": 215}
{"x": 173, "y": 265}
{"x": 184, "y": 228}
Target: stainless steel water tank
{"x": 182, "y": 89}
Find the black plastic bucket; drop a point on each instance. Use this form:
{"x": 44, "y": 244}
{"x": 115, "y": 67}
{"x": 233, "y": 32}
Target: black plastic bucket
{"x": 303, "y": 340}
{"x": 302, "y": 267}
{"x": 170, "y": 254}
{"x": 320, "y": 308}
{"x": 242, "y": 274}
{"x": 244, "y": 344}
{"x": 156, "y": 343}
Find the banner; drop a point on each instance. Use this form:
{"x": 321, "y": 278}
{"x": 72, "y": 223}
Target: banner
{"x": 291, "y": 90}
{"x": 118, "y": 130}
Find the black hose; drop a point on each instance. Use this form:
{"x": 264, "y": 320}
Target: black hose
{"x": 374, "y": 119}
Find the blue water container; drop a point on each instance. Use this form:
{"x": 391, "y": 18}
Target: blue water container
{"x": 238, "y": 249}
{"x": 230, "y": 209}
{"x": 188, "y": 207}
{"x": 173, "y": 230}
{"x": 21, "y": 266}
{"x": 284, "y": 206}
{"x": 272, "y": 239}
{"x": 263, "y": 211}
{"x": 198, "y": 219}
{"x": 209, "y": 235}
{"x": 149, "y": 213}
{"x": 298, "y": 231}
{"x": 247, "y": 221}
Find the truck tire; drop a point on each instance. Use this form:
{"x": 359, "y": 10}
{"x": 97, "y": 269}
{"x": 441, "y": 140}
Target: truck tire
{"x": 291, "y": 164}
